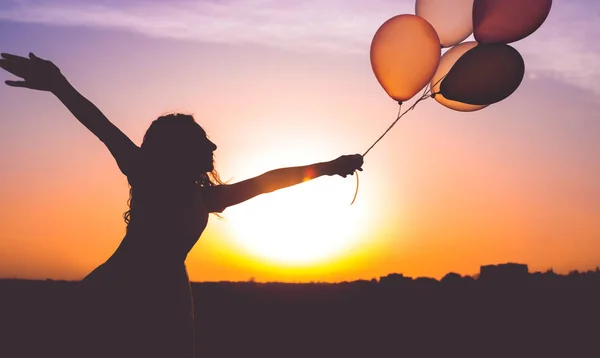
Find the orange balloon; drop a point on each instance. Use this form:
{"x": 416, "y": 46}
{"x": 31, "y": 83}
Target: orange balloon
{"x": 448, "y": 60}
{"x": 405, "y": 52}
{"x": 452, "y": 20}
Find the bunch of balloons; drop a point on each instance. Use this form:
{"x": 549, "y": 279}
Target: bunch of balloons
{"x": 406, "y": 50}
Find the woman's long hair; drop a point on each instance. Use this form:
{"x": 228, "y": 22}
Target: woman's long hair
{"x": 161, "y": 143}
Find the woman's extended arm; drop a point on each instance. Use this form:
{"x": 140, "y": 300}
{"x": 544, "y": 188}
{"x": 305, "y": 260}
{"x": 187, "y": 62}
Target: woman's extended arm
{"x": 219, "y": 197}
{"x": 43, "y": 75}
{"x": 120, "y": 146}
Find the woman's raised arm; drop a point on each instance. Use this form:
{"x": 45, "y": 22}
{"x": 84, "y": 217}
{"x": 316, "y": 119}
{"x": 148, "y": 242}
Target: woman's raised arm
{"x": 43, "y": 75}
{"x": 219, "y": 197}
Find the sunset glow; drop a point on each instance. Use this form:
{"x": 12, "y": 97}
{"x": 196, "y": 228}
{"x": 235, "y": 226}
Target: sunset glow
{"x": 319, "y": 225}
{"x": 278, "y": 84}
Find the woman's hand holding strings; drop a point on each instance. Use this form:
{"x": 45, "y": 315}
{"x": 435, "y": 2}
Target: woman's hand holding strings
{"x": 345, "y": 165}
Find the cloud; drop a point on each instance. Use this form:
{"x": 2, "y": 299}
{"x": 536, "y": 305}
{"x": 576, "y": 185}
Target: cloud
{"x": 334, "y": 24}
{"x": 565, "y": 48}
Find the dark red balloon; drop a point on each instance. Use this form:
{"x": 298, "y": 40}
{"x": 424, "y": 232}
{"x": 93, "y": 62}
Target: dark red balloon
{"x": 506, "y": 21}
{"x": 484, "y": 75}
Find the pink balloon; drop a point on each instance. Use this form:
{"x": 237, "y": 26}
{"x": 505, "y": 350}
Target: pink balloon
{"x": 506, "y": 21}
{"x": 451, "y": 19}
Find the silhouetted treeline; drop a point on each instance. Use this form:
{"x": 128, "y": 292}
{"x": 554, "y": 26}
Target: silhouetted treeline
{"x": 504, "y": 312}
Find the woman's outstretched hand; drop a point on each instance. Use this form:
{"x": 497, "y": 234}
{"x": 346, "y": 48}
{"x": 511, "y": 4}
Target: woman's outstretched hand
{"x": 345, "y": 165}
{"x": 36, "y": 73}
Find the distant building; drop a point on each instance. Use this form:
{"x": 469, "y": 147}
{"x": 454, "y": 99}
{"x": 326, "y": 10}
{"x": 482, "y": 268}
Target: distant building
{"x": 426, "y": 282}
{"x": 510, "y": 273}
{"x": 451, "y": 278}
{"x": 394, "y": 279}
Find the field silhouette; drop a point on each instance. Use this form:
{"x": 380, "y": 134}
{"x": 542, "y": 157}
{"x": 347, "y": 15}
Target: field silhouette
{"x": 505, "y": 311}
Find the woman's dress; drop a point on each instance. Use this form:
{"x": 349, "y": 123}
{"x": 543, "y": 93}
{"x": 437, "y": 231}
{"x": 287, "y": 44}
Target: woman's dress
{"x": 139, "y": 302}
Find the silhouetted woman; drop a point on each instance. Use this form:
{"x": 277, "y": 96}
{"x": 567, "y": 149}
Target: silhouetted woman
{"x": 139, "y": 301}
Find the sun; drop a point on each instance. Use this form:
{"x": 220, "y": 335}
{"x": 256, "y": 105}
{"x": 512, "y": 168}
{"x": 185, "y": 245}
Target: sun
{"x": 306, "y": 224}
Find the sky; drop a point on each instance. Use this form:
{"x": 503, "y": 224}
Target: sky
{"x": 279, "y": 83}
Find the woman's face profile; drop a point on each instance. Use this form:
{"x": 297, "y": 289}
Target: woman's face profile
{"x": 203, "y": 149}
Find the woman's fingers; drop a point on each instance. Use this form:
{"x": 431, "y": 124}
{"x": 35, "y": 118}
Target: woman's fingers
{"x": 22, "y": 84}
{"x": 358, "y": 162}
{"x": 17, "y": 65}
{"x": 8, "y": 66}
{"x": 12, "y": 57}
{"x": 16, "y": 70}
{"x": 13, "y": 67}
{"x": 34, "y": 57}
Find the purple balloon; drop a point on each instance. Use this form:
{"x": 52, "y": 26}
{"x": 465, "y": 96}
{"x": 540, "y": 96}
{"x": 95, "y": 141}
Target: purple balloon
{"x": 506, "y": 21}
{"x": 484, "y": 75}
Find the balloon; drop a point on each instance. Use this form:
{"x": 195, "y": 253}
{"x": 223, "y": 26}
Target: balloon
{"x": 506, "y": 21}
{"x": 448, "y": 60}
{"x": 452, "y": 20}
{"x": 405, "y": 53}
{"x": 484, "y": 75}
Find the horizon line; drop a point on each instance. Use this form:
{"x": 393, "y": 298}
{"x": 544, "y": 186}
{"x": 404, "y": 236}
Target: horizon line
{"x": 251, "y": 280}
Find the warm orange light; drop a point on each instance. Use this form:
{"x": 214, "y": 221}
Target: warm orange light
{"x": 298, "y": 226}
{"x": 309, "y": 175}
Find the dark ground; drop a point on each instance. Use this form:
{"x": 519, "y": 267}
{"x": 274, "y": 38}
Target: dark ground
{"x": 504, "y": 313}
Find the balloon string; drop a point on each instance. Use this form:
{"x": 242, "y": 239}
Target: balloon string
{"x": 389, "y": 128}
{"x": 427, "y": 93}
{"x": 356, "y": 192}
{"x": 425, "y": 96}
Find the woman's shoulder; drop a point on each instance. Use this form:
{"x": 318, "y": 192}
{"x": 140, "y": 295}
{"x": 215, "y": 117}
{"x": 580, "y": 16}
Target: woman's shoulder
{"x": 212, "y": 196}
